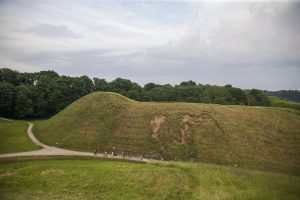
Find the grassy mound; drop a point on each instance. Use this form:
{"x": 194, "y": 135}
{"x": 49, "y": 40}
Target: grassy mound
{"x": 13, "y": 137}
{"x": 277, "y": 102}
{"x": 251, "y": 137}
{"x": 53, "y": 178}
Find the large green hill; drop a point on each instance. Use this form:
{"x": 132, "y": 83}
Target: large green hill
{"x": 250, "y": 137}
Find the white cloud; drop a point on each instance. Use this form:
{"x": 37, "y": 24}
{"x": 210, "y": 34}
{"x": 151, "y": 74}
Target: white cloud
{"x": 213, "y": 42}
{"x": 47, "y": 30}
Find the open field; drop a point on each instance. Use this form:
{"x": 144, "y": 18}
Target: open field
{"x": 13, "y": 137}
{"x": 250, "y": 137}
{"x": 277, "y": 102}
{"x": 82, "y": 178}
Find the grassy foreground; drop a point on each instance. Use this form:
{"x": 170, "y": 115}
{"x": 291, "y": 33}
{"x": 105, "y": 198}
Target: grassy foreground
{"x": 57, "y": 178}
{"x": 13, "y": 137}
{"x": 251, "y": 137}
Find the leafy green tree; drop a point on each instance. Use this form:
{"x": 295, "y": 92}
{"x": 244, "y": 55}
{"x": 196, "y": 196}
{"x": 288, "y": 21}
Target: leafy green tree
{"x": 228, "y": 86}
{"x": 182, "y": 92}
{"x": 257, "y": 98}
{"x": 23, "y": 103}
{"x": 26, "y": 78}
{"x": 205, "y": 99}
{"x": 162, "y": 93}
{"x": 100, "y": 84}
{"x": 193, "y": 99}
{"x": 134, "y": 94}
{"x": 50, "y": 73}
{"x": 219, "y": 100}
{"x": 122, "y": 86}
{"x": 39, "y": 103}
{"x": 9, "y": 76}
{"x": 150, "y": 86}
{"x": 87, "y": 84}
{"x": 188, "y": 83}
{"x": 7, "y": 98}
{"x": 238, "y": 96}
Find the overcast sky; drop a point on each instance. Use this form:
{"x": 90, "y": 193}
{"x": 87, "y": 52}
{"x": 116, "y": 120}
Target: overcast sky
{"x": 246, "y": 44}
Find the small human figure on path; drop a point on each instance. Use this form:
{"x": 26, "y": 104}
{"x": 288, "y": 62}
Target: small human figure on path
{"x": 105, "y": 154}
{"x": 123, "y": 154}
{"x": 95, "y": 152}
{"x": 141, "y": 157}
{"x": 112, "y": 153}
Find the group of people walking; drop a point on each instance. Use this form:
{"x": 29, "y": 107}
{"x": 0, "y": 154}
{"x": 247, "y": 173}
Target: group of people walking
{"x": 123, "y": 154}
{"x": 114, "y": 154}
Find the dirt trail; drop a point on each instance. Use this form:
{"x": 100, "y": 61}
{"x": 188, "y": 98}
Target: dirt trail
{"x": 51, "y": 151}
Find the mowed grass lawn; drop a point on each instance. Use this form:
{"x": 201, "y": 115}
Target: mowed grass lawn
{"x": 13, "y": 137}
{"x": 83, "y": 178}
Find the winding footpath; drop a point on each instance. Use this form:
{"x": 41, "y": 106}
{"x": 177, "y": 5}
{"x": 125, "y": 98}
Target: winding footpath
{"x": 54, "y": 151}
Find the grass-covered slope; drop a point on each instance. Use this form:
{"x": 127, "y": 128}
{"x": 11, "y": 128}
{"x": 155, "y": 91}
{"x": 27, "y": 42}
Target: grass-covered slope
{"x": 277, "y": 102}
{"x": 251, "y": 137}
{"x": 53, "y": 178}
{"x": 13, "y": 137}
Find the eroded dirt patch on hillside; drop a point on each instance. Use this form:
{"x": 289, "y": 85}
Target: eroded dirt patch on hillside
{"x": 184, "y": 129}
{"x": 155, "y": 124}
{"x": 184, "y": 134}
{"x": 190, "y": 120}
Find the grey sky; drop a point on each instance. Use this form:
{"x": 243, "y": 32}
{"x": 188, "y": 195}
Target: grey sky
{"x": 247, "y": 44}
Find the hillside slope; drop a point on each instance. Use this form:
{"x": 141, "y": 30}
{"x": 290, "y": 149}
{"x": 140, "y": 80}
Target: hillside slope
{"x": 251, "y": 137}
{"x": 277, "y": 102}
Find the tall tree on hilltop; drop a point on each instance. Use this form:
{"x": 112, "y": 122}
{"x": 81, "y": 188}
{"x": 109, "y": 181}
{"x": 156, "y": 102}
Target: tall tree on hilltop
{"x": 100, "y": 84}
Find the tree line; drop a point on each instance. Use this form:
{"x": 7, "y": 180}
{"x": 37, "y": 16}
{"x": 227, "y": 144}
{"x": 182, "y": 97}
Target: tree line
{"x": 290, "y": 95}
{"x": 45, "y": 93}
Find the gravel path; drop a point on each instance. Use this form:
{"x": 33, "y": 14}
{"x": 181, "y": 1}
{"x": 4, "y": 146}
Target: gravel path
{"x": 51, "y": 151}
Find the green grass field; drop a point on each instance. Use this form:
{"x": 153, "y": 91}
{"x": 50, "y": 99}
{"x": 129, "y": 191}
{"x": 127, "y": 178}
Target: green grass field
{"x": 277, "y": 102}
{"x": 13, "y": 137}
{"x": 82, "y": 178}
{"x": 252, "y": 137}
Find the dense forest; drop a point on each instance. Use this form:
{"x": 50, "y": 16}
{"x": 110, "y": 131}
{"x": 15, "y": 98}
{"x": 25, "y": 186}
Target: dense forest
{"x": 290, "y": 95}
{"x": 44, "y": 93}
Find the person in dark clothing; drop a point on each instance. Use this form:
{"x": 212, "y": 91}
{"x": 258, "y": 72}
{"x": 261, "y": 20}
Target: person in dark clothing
{"x": 95, "y": 152}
